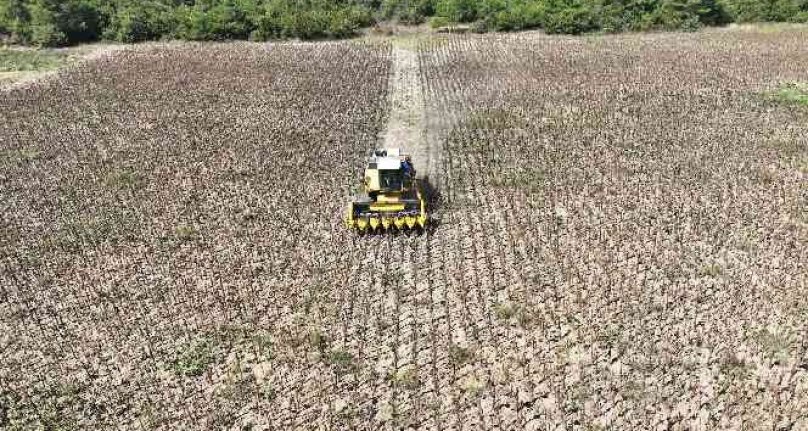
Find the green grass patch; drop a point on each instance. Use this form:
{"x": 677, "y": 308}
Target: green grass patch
{"x": 795, "y": 93}
{"x": 711, "y": 270}
{"x": 733, "y": 367}
{"x": 29, "y": 60}
{"x": 343, "y": 361}
{"x": 21, "y": 155}
{"x": 472, "y": 386}
{"x": 459, "y": 355}
{"x": 505, "y": 311}
{"x": 497, "y": 119}
{"x": 406, "y": 377}
{"x": 126, "y": 178}
{"x": 392, "y": 277}
{"x": 776, "y": 343}
{"x": 194, "y": 358}
{"x": 263, "y": 343}
{"x": 437, "y": 22}
{"x": 56, "y": 412}
{"x": 529, "y": 179}
{"x": 185, "y": 232}
{"x": 316, "y": 339}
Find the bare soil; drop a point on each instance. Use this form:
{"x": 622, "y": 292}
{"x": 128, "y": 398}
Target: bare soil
{"x": 405, "y": 123}
{"x": 621, "y": 239}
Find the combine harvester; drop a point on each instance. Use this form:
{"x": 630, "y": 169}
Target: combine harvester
{"x": 392, "y": 196}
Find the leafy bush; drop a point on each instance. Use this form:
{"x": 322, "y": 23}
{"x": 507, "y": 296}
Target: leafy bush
{"x": 767, "y": 10}
{"x": 522, "y": 16}
{"x": 282, "y": 19}
{"x": 140, "y": 22}
{"x": 570, "y": 21}
{"x": 688, "y": 14}
{"x": 438, "y": 22}
{"x": 55, "y": 22}
{"x": 58, "y": 22}
{"x": 458, "y": 10}
{"x": 46, "y": 34}
{"x": 223, "y": 20}
{"x": 13, "y": 16}
{"x": 407, "y": 11}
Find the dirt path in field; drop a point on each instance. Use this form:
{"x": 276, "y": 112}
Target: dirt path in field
{"x": 406, "y": 123}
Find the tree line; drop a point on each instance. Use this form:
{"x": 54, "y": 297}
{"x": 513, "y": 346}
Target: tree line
{"x": 65, "y": 22}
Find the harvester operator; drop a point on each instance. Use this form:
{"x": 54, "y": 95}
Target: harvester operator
{"x": 406, "y": 165}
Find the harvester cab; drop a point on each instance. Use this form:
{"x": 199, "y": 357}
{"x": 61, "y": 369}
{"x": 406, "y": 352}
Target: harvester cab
{"x": 391, "y": 195}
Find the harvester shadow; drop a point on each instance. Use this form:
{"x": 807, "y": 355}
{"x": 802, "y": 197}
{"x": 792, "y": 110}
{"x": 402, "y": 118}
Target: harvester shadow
{"x": 433, "y": 200}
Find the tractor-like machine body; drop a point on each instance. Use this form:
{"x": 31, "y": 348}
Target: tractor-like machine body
{"x": 391, "y": 195}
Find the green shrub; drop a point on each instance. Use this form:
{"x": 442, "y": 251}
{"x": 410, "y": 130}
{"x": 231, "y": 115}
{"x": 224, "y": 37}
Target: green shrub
{"x": 194, "y": 358}
{"x": 712, "y": 12}
{"x": 42, "y": 30}
{"x": 140, "y": 22}
{"x": 192, "y": 24}
{"x": 59, "y": 22}
{"x": 801, "y": 17}
{"x": 80, "y": 21}
{"x": 281, "y": 19}
{"x": 438, "y": 21}
{"x": 52, "y": 22}
{"x": 747, "y": 10}
{"x": 407, "y": 11}
{"x": 217, "y": 20}
{"x": 794, "y": 93}
{"x": 275, "y": 22}
{"x": 46, "y": 35}
{"x": 783, "y": 10}
{"x": 766, "y": 10}
{"x": 570, "y": 21}
{"x": 229, "y": 21}
{"x": 347, "y": 21}
{"x": 13, "y": 18}
{"x": 519, "y": 16}
{"x": 457, "y": 10}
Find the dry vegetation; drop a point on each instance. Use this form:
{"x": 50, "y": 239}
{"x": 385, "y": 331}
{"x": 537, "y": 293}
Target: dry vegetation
{"x": 620, "y": 239}
{"x": 21, "y": 66}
